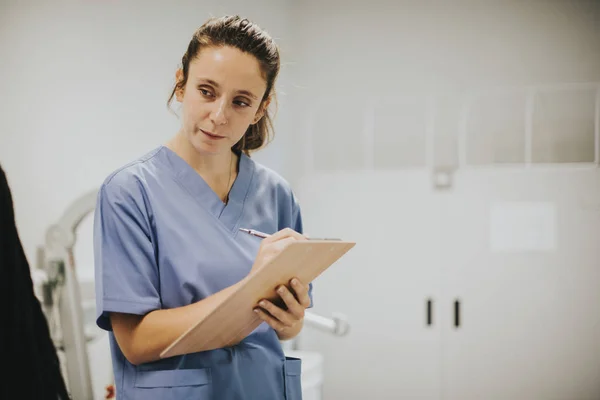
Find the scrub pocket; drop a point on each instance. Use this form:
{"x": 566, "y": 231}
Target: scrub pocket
{"x": 293, "y": 375}
{"x": 173, "y": 384}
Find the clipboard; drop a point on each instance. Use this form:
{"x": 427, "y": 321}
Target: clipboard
{"x": 233, "y": 318}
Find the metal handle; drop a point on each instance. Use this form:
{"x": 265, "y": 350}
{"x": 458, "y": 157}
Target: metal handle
{"x": 429, "y": 312}
{"x": 337, "y": 325}
{"x": 456, "y": 313}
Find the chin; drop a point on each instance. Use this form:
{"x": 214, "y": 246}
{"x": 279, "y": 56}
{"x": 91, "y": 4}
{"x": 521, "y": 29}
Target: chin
{"x": 207, "y": 148}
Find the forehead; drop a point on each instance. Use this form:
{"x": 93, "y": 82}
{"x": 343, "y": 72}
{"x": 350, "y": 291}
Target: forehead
{"x": 231, "y": 68}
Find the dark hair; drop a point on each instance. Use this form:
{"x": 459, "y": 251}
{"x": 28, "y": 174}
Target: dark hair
{"x": 246, "y": 36}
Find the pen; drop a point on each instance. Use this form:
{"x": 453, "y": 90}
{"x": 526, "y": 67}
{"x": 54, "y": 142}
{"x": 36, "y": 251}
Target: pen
{"x": 255, "y": 233}
{"x": 263, "y": 235}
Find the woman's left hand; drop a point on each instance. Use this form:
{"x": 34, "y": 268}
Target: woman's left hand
{"x": 287, "y": 323}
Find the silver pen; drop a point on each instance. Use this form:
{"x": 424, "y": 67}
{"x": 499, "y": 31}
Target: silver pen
{"x": 263, "y": 235}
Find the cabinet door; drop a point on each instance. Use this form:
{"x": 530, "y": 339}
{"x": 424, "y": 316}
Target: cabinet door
{"x": 381, "y": 285}
{"x": 521, "y": 257}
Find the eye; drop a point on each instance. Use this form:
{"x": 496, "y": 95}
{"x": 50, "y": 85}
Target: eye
{"x": 205, "y": 92}
{"x": 242, "y": 103}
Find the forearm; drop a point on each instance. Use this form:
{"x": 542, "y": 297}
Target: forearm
{"x": 143, "y": 338}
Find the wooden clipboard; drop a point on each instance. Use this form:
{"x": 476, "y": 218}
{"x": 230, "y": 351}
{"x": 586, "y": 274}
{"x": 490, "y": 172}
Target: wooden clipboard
{"x": 233, "y": 319}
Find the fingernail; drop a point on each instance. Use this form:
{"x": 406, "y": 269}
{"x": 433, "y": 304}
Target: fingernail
{"x": 280, "y": 290}
{"x": 294, "y": 281}
{"x": 255, "y": 310}
{"x": 262, "y": 303}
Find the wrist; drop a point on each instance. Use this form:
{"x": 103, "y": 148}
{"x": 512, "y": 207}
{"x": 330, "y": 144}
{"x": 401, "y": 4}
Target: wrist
{"x": 291, "y": 332}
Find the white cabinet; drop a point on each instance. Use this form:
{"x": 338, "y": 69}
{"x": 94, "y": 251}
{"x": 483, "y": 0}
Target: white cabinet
{"x": 516, "y": 251}
{"x": 382, "y": 285}
{"x": 521, "y": 257}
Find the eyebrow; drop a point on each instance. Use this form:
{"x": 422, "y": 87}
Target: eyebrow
{"x": 215, "y": 84}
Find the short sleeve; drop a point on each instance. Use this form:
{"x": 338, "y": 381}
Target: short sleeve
{"x": 126, "y": 272}
{"x": 297, "y": 226}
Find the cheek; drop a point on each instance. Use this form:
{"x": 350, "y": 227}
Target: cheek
{"x": 242, "y": 126}
{"x": 239, "y": 135}
{"x": 240, "y": 121}
{"x": 192, "y": 113}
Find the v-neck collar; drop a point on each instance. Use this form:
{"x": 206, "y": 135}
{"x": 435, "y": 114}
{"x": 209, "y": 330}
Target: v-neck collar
{"x": 228, "y": 213}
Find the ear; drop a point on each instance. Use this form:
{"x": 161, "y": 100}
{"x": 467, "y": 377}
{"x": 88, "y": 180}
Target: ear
{"x": 261, "y": 110}
{"x": 179, "y": 91}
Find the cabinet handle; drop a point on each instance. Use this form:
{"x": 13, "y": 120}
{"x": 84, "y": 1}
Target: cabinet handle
{"x": 456, "y": 313}
{"x": 429, "y": 312}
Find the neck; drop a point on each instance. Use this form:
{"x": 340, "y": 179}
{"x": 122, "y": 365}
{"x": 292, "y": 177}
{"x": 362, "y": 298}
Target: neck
{"x": 218, "y": 170}
{"x": 209, "y": 166}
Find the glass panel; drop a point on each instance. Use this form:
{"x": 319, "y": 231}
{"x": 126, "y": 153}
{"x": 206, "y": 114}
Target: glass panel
{"x": 496, "y": 129}
{"x": 400, "y": 133}
{"x": 563, "y": 126}
{"x": 337, "y": 136}
{"x": 447, "y": 122}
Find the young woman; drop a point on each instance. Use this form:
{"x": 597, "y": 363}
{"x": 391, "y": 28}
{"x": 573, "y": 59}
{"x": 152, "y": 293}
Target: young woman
{"x": 167, "y": 240}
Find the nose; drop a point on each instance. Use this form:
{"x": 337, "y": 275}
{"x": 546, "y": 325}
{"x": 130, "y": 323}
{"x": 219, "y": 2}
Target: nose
{"x": 218, "y": 115}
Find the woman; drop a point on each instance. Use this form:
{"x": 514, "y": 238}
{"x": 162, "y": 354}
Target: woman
{"x": 32, "y": 367}
{"x": 167, "y": 240}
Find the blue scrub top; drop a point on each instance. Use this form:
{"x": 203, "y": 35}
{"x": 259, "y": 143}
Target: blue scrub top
{"x": 164, "y": 239}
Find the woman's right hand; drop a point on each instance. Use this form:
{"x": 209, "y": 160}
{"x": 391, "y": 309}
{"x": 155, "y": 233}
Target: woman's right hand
{"x": 271, "y": 246}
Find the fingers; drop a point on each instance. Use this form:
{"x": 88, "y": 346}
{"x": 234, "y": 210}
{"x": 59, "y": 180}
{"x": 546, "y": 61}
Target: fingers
{"x": 279, "y": 318}
{"x": 301, "y": 291}
{"x": 269, "y": 250}
{"x": 284, "y": 233}
{"x": 276, "y": 243}
{"x": 281, "y": 244}
{"x": 271, "y": 246}
{"x": 293, "y": 306}
{"x": 282, "y": 318}
{"x": 275, "y": 324}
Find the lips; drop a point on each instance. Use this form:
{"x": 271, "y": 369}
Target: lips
{"x": 212, "y": 135}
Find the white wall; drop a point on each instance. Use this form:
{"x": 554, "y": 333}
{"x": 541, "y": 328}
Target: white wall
{"x": 83, "y": 90}
{"x": 351, "y": 52}
{"x": 389, "y": 49}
